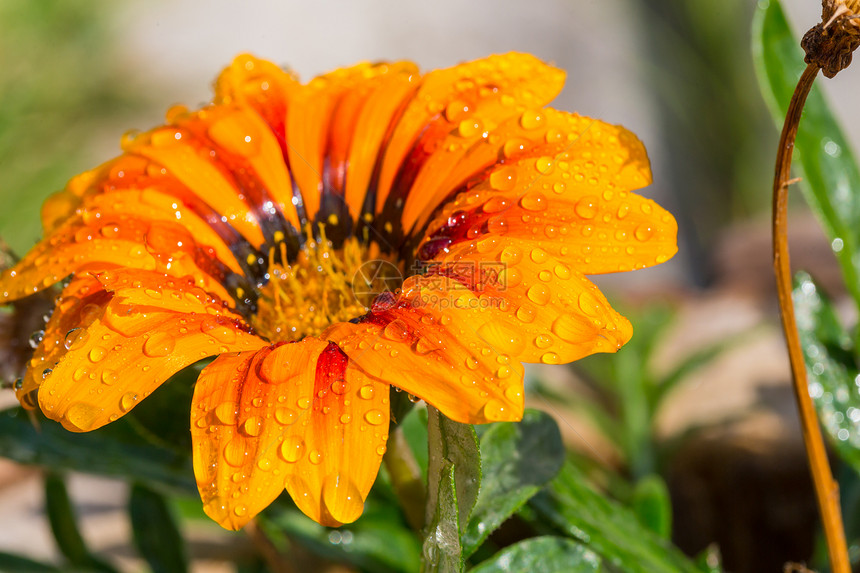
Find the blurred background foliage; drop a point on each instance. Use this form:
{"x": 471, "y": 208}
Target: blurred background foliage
{"x": 613, "y": 489}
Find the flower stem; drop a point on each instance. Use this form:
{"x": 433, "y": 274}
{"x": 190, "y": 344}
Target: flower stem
{"x": 826, "y": 489}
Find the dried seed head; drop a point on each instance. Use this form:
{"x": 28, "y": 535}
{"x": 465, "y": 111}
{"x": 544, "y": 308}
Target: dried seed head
{"x": 830, "y": 44}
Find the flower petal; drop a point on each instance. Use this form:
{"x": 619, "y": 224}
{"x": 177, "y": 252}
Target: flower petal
{"x": 526, "y": 302}
{"x": 453, "y": 109}
{"x": 297, "y": 416}
{"x": 139, "y": 339}
{"x": 422, "y": 344}
{"x": 80, "y": 303}
{"x": 320, "y": 128}
{"x": 571, "y": 199}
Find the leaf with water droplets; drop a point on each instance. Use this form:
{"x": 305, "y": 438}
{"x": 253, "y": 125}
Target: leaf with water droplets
{"x": 828, "y": 352}
{"x": 517, "y": 459}
{"x": 542, "y": 554}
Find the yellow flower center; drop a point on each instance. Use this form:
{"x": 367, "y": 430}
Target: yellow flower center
{"x": 322, "y": 286}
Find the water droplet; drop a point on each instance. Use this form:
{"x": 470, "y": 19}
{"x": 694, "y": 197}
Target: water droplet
{"x": 374, "y": 417}
{"x": 234, "y": 452}
{"x": 109, "y": 377}
{"x": 534, "y": 201}
{"x": 395, "y": 330}
{"x": 264, "y": 464}
{"x": 292, "y": 449}
{"x": 76, "y": 339}
{"x": 253, "y": 426}
{"x": 494, "y": 411}
{"x": 97, "y": 354}
{"x": 511, "y": 255}
{"x": 643, "y": 233}
{"x": 588, "y": 303}
{"x": 159, "y": 344}
{"x": 227, "y": 413}
{"x": 470, "y": 127}
{"x": 240, "y": 510}
{"x": 456, "y": 111}
{"x": 544, "y": 165}
{"x": 366, "y": 392}
{"x": 127, "y": 401}
{"x": 285, "y": 416}
{"x": 315, "y": 456}
{"x": 342, "y": 498}
{"x": 218, "y": 331}
{"x": 550, "y": 358}
{"x": 304, "y": 403}
{"x": 587, "y": 207}
{"x": 503, "y": 179}
{"x": 83, "y": 416}
{"x": 496, "y": 203}
{"x": 532, "y": 119}
{"x": 539, "y": 294}
{"x": 571, "y": 330}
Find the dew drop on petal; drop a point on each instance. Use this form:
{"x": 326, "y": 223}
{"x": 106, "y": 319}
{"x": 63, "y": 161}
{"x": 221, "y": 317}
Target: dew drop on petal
{"x": 159, "y": 344}
{"x": 83, "y": 416}
{"x": 366, "y": 392}
{"x": 292, "y": 448}
{"x": 285, "y": 416}
{"x": 374, "y": 417}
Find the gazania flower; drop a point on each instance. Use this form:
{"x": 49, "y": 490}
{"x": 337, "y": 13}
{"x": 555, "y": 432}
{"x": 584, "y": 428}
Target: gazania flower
{"x": 372, "y": 228}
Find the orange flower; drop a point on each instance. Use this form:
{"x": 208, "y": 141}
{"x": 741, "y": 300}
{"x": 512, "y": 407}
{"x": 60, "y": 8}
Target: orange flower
{"x": 270, "y": 229}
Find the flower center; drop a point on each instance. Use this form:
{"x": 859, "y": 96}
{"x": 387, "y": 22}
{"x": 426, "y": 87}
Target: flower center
{"x": 322, "y": 286}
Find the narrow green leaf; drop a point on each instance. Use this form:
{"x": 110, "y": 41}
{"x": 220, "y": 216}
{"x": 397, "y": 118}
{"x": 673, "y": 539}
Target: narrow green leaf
{"x": 115, "y": 450}
{"x": 10, "y": 563}
{"x": 830, "y": 366}
{"x": 652, "y": 505}
{"x": 442, "y": 552}
{"x": 611, "y": 530}
{"x": 823, "y": 156}
{"x": 453, "y": 443}
{"x": 517, "y": 459}
{"x": 544, "y": 555}
{"x": 61, "y": 517}
{"x": 156, "y": 534}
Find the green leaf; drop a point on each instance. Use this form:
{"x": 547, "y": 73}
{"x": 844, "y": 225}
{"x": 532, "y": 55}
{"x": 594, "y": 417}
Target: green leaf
{"x": 456, "y": 444}
{"x": 823, "y": 156}
{"x": 517, "y": 459}
{"x": 544, "y": 555}
{"x": 830, "y": 367}
{"x": 10, "y": 563}
{"x": 115, "y": 450}
{"x": 380, "y": 541}
{"x": 61, "y": 516}
{"x": 442, "y": 552}
{"x": 652, "y": 505}
{"x": 156, "y": 534}
{"x": 611, "y": 530}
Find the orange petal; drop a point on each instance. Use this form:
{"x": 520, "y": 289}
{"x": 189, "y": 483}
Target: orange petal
{"x": 466, "y": 100}
{"x": 296, "y": 416}
{"x": 126, "y": 353}
{"x": 573, "y": 202}
{"x": 90, "y": 241}
{"x": 172, "y": 148}
{"x": 320, "y": 121}
{"x": 420, "y": 343}
{"x": 379, "y": 111}
{"x": 80, "y": 303}
{"x": 525, "y": 302}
